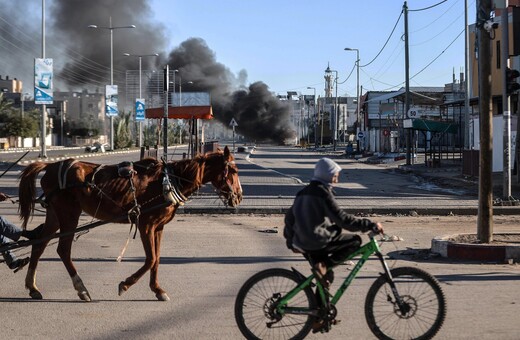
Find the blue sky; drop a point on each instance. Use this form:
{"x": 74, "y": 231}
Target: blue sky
{"x": 288, "y": 44}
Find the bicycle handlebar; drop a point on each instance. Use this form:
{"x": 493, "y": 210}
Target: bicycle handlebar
{"x": 372, "y": 234}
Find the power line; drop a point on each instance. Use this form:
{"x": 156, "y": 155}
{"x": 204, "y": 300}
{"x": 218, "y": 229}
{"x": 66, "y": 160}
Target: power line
{"x": 391, "y": 33}
{"x": 425, "y": 8}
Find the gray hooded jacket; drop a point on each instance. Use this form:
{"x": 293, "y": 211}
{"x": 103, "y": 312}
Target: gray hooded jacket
{"x": 314, "y": 218}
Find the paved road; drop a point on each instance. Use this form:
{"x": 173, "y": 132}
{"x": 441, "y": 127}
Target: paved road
{"x": 207, "y": 257}
{"x": 271, "y": 176}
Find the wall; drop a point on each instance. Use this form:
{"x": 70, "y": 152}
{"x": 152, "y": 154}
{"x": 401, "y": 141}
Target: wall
{"x": 498, "y": 141}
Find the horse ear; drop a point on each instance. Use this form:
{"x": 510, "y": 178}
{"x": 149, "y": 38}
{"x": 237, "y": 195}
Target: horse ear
{"x": 227, "y": 153}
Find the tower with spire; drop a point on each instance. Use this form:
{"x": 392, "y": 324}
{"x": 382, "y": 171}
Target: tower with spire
{"x": 329, "y": 85}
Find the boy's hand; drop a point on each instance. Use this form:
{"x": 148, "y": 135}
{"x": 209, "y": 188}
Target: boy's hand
{"x": 378, "y": 228}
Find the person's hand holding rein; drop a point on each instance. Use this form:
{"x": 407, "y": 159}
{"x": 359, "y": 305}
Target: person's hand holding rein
{"x": 3, "y": 197}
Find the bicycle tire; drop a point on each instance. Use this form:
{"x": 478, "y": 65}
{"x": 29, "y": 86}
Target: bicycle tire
{"x": 252, "y": 304}
{"x": 421, "y": 291}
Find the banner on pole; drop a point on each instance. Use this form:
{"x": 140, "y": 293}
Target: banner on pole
{"x": 140, "y": 106}
{"x": 43, "y": 81}
{"x": 111, "y": 100}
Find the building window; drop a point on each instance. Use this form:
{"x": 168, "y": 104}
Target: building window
{"x": 498, "y": 55}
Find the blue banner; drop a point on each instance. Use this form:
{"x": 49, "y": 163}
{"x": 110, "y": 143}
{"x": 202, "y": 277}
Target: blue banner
{"x": 111, "y": 100}
{"x": 43, "y": 81}
{"x": 139, "y": 109}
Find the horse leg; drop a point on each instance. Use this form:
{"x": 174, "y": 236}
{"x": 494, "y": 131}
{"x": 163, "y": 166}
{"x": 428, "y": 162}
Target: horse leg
{"x": 51, "y": 226}
{"x": 69, "y": 224}
{"x": 147, "y": 238}
{"x": 154, "y": 284}
{"x": 30, "y": 278}
{"x": 64, "y": 251}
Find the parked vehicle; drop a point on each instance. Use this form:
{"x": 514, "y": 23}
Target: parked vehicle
{"x": 97, "y": 147}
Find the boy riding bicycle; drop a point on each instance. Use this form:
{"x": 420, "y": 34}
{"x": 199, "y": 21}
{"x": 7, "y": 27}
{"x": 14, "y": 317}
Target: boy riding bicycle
{"x": 314, "y": 223}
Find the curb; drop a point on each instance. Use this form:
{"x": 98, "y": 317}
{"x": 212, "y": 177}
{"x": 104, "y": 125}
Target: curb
{"x": 475, "y": 252}
{"x": 54, "y": 159}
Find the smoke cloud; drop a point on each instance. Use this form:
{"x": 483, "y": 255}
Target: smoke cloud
{"x": 259, "y": 114}
{"x": 82, "y": 58}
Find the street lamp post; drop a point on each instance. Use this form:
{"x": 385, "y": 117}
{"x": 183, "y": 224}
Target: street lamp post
{"x": 22, "y": 100}
{"x": 111, "y": 29}
{"x": 361, "y": 120}
{"x": 43, "y": 152}
{"x": 315, "y": 117}
{"x": 140, "y": 92}
{"x": 335, "y": 127}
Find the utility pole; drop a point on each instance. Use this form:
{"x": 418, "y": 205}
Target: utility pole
{"x": 165, "y": 117}
{"x": 504, "y": 62}
{"x": 407, "y": 82}
{"x": 485, "y": 193}
{"x": 466, "y": 85}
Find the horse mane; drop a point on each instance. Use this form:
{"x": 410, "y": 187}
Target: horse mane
{"x": 189, "y": 170}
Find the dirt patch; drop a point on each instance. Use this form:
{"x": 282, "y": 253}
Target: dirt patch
{"x": 498, "y": 239}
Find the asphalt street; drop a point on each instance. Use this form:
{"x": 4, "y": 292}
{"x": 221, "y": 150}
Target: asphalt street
{"x": 206, "y": 258}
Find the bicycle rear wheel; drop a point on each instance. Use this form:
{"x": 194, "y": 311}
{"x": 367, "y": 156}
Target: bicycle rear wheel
{"x": 255, "y": 311}
{"x": 422, "y": 296}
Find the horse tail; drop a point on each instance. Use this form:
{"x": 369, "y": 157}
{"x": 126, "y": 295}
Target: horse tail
{"x": 27, "y": 191}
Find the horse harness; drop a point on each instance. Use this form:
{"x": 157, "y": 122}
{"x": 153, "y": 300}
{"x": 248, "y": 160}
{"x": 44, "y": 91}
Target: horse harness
{"x": 170, "y": 183}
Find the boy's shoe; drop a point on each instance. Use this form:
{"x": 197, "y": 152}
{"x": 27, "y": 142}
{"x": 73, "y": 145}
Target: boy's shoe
{"x": 33, "y": 234}
{"x": 18, "y": 264}
{"x": 325, "y": 277}
{"x": 319, "y": 326}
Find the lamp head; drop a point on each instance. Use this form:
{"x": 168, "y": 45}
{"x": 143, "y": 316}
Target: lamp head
{"x": 92, "y": 26}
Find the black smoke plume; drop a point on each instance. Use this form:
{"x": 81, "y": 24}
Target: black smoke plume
{"x": 260, "y": 115}
{"x": 82, "y": 58}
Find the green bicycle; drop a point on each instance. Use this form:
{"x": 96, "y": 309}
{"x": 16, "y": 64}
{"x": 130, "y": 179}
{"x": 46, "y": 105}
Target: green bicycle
{"x": 403, "y": 303}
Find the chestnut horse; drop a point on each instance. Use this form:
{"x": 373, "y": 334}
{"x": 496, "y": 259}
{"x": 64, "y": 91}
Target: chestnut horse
{"x": 141, "y": 195}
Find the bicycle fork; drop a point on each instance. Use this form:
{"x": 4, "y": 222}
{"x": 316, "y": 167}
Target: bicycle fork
{"x": 404, "y": 308}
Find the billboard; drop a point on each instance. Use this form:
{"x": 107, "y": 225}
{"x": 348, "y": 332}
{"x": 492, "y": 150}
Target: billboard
{"x": 111, "y": 100}
{"x": 139, "y": 109}
{"x": 43, "y": 81}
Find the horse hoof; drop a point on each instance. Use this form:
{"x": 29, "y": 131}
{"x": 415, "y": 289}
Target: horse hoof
{"x": 162, "y": 297}
{"x": 36, "y": 295}
{"x": 85, "y": 296}
{"x": 122, "y": 288}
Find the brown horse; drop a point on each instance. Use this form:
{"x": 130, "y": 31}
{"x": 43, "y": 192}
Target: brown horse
{"x": 147, "y": 195}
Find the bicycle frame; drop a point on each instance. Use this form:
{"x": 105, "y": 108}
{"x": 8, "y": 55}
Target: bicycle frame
{"x": 365, "y": 252}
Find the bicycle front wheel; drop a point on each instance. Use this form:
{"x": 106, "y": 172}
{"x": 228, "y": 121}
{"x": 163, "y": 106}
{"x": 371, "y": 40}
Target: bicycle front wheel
{"x": 423, "y": 300}
{"x": 255, "y": 306}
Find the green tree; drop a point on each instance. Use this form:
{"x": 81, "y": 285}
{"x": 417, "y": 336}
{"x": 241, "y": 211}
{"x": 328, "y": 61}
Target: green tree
{"x": 150, "y": 135}
{"x": 123, "y": 134}
{"x": 12, "y": 122}
{"x": 18, "y": 126}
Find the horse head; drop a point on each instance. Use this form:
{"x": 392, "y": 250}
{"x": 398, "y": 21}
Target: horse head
{"x": 226, "y": 180}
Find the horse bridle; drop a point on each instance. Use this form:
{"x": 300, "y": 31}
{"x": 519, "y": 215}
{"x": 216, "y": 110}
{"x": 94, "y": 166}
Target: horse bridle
{"x": 226, "y": 184}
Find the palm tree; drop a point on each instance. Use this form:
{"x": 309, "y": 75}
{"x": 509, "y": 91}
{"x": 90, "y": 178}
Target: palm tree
{"x": 123, "y": 135}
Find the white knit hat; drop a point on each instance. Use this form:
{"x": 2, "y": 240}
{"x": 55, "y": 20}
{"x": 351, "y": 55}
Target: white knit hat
{"x": 325, "y": 169}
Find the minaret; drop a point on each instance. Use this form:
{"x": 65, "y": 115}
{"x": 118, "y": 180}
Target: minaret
{"x": 328, "y": 82}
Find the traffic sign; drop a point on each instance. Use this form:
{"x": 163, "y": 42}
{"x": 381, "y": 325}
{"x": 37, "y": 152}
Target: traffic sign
{"x": 233, "y": 122}
{"x": 360, "y": 135}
